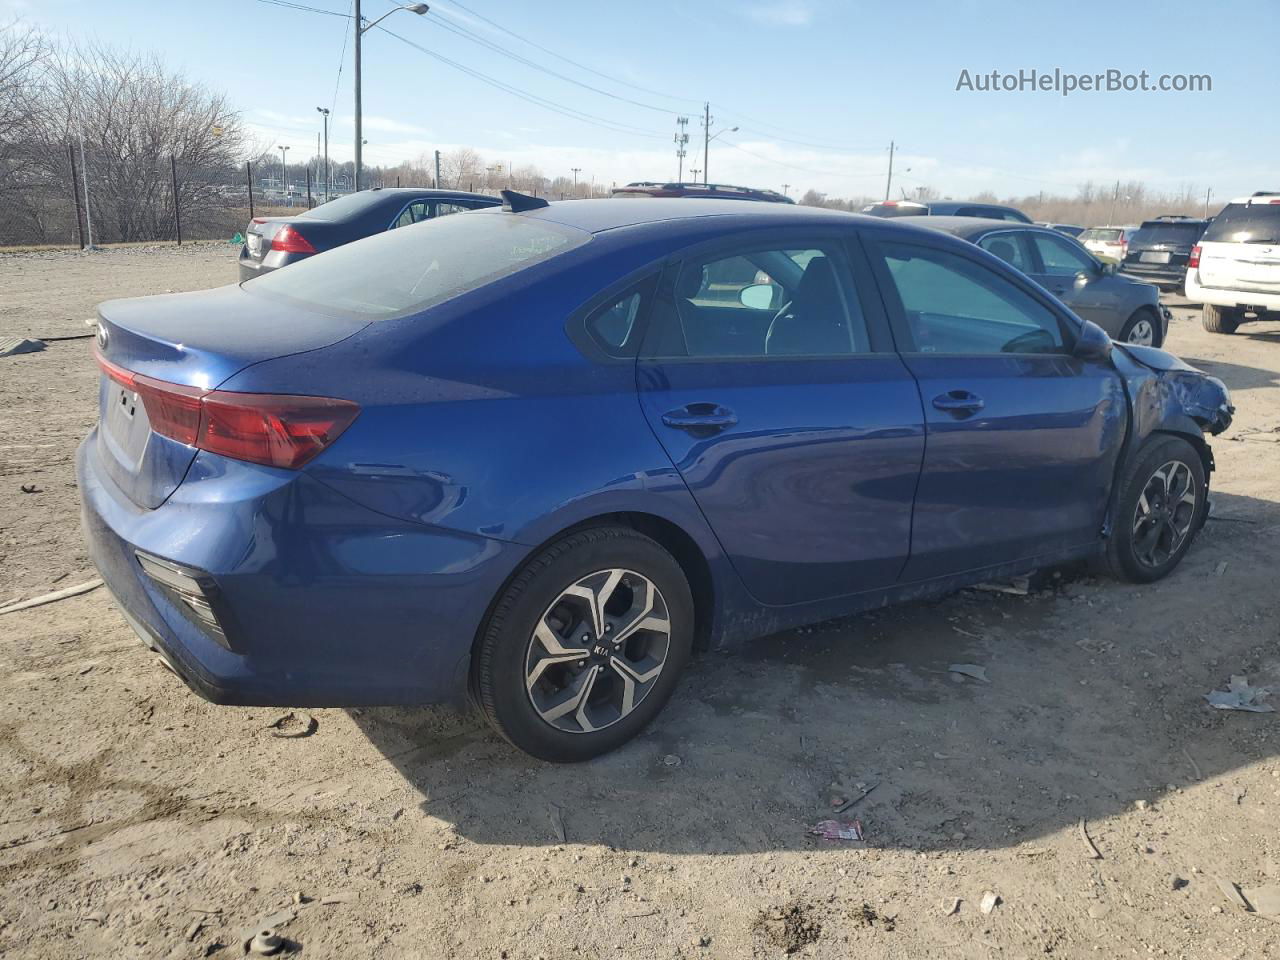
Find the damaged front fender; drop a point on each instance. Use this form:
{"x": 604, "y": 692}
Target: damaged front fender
{"x": 1169, "y": 394}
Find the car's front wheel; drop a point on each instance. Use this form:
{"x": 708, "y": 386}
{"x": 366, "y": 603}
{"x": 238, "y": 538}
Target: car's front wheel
{"x": 1159, "y": 510}
{"x": 1218, "y": 319}
{"x": 1143, "y": 329}
{"x": 585, "y": 645}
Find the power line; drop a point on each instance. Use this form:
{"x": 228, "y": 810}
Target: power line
{"x": 533, "y": 98}
{"x": 796, "y": 166}
{"x": 342, "y": 59}
{"x": 562, "y": 57}
{"x": 303, "y": 6}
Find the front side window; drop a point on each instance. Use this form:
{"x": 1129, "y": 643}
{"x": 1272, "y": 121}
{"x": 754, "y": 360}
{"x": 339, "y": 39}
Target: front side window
{"x": 795, "y": 301}
{"x": 402, "y": 271}
{"x": 952, "y": 304}
{"x": 1061, "y": 257}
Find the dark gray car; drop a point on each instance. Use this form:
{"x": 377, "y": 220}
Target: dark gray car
{"x": 1128, "y": 309}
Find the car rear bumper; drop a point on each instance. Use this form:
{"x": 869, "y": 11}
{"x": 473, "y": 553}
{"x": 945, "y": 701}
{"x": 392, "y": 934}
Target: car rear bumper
{"x": 274, "y": 260}
{"x": 1230, "y": 298}
{"x": 322, "y": 601}
{"x": 1159, "y": 273}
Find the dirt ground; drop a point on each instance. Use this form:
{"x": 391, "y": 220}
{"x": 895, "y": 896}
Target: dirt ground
{"x": 137, "y": 820}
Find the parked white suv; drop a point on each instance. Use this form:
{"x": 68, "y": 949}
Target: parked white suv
{"x": 1235, "y": 269}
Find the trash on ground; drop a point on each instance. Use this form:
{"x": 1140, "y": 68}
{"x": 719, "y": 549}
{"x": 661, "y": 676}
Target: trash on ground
{"x": 862, "y": 790}
{"x": 837, "y": 829}
{"x": 971, "y": 670}
{"x": 52, "y": 597}
{"x": 989, "y": 902}
{"x": 1264, "y": 900}
{"x": 1090, "y": 846}
{"x": 951, "y": 907}
{"x": 557, "y": 824}
{"x": 1231, "y": 892}
{"x": 290, "y": 726}
{"x": 346, "y": 896}
{"x": 1018, "y": 586}
{"x": 194, "y": 930}
{"x": 671, "y": 760}
{"x": 1238, "y": 696}
{"x": 266, "y": 942}
{"x": 30, "y": 488}
{"x": 1195, "y": 767}
{"x": 12, "y": 346}
{"x": 1222, "y": 568}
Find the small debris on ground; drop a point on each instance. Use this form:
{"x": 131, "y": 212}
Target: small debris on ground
{"x": 1222, "y": 568}
{"x": 30, "y": 488}
{"x": 52, "y": 597}
{"x": 1238, "y": 696}
{"x": 990, "y": 900}
{"x": 671, "y": 760}
{"x": 1264, "y": 900}
{"x": 557, "y": 824}
{"x": 1090, "y": 847}
{"x": 1018, "y": 586}
{"x": 860, "y": 794}
{"x": 971, "y": 670}
{"x": 290, "y": 726}
{"x": 345, "y": 896}
{"x": 869, "y": 917}
{"x": 837, "y": 829}
{"x": 1231, "y": 892}
{"x": 788, "y": 928}
{"x": 12, "y": 346}
{"x": 266, "y": 942}
{"x": 951, "y": 907}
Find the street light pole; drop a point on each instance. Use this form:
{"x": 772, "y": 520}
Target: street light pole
{"x": 284, "y": 170}
{"x": 324, "y": 111}
{"x": 360, "y": 31}
{"x": 575, "y": 170}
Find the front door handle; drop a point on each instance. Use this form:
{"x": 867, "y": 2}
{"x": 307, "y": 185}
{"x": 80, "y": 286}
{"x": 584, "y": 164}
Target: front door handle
{"x": 962, "y": 403}
{"x": 700, "y": 417}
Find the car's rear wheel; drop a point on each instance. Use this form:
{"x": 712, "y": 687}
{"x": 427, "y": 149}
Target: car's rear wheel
{"x": 585, "y": 645}
{"x": 1159, "y": 510}
{"x": 1143, "y": 329}
{"x": 1219, "y": 319}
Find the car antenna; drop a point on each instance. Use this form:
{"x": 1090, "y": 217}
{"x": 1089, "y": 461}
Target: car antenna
{"x": 514, "y": 202}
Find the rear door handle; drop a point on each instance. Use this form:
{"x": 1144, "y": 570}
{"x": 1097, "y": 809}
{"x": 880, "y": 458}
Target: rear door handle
{"x": 962, "y": 403}
{"x": 708, "y": 417}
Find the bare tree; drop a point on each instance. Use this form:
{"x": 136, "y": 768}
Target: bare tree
{"x": 460, "y": 168}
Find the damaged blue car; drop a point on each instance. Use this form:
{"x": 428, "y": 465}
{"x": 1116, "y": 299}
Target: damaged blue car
{"x": 541, "y": 454}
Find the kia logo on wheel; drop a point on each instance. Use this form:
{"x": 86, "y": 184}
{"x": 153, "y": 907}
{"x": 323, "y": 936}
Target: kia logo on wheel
{"x": 102, "y": 337}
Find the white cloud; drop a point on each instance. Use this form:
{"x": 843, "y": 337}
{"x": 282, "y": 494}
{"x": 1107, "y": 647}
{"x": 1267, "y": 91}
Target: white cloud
{"x": 788, "y": 13}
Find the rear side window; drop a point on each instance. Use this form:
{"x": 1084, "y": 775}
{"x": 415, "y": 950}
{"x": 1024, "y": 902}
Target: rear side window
{"x": 954, "y": 305}
{"x": 402, "y": 271}
{"x": 1246, "y": 223}
{"x": 1010, "y": 247}
{"x": 415, "y": 212}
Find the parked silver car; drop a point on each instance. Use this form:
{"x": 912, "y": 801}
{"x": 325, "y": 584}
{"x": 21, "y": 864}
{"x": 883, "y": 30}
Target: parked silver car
{"x": 1128, "y": 309}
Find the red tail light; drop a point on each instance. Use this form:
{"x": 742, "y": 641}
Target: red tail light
{"x": 268, "y": 428}
{"x": 1193, "y": 261}
{"x": 291, "y": 241}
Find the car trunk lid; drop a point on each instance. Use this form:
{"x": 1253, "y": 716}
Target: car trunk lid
{"x": 191, "y": 342}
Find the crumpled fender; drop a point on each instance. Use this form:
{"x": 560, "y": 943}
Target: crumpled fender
{"x": 1167, "y": 393}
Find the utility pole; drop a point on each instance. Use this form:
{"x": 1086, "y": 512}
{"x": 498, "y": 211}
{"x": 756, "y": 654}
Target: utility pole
{"x": 325, "y": 113}
{"x": 785, "y": 187}
{"x": 682, "y": 138}
{"x": 1206, "y": 202}
{"x": 888, "y": 186}
{"x": 84, "y": 180}
{"x": 360, "y": 31}
{"x": 706, "y": 140}
{"x": 1114, "y": 197}
{"x": 694, "y": 172}
{"x": 576, "y": 171}
{"x": 437, "y": 169}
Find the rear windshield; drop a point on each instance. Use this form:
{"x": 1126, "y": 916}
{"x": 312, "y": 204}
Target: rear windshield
{"x": 894, "y": 210}
{"x": 340, "y": 208}
{"x": 1100, "y": 233}
{"x": 403, "y": 271}
{"x": 1187, "y": 233}
{"x": 1246, "y": 223}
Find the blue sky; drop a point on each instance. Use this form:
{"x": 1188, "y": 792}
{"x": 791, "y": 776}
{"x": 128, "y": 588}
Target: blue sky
{"x": 818, "y": 88}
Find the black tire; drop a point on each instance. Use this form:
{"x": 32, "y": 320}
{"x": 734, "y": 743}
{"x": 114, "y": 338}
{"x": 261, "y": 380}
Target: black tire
{"x": 1143, "y": 313}
{"x": 507, "y": 637}
{"x": 1218, "y": 319}
{"x": 1126, "y": 546}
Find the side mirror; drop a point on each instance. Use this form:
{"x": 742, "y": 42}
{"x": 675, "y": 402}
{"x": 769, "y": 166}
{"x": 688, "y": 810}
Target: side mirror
{"x": 758, "y": 296}
{"x": 1092, "y": 343}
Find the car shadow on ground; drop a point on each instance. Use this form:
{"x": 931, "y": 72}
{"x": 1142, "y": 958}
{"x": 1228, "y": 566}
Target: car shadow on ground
{"x": 1094, "y": 701}
{"x": 1235, "y": 375}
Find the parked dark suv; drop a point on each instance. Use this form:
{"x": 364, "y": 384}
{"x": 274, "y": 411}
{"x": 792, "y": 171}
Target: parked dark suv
{"x": 945, "y": 208}
{"x": 724, "y": 191}
{"x": 1159, "y": 250}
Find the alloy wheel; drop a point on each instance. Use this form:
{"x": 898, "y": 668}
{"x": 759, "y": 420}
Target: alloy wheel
{"x": 1164, "y": 514}
{"x": 1143, "y": 332}
{"x": 597, "y": 651}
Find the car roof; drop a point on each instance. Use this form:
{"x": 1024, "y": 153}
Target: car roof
{"x": 967, "y": 227}
{"x": 438, "y": 194}
{"x": 957, "y": 204}
{"x": 597, "y": 216}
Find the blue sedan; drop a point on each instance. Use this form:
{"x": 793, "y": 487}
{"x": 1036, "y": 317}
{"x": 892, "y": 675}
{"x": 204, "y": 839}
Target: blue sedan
{"x": 541, "y": 454}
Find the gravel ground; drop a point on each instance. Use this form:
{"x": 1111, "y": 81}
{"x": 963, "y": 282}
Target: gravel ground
{"x": 137, "y": 820}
